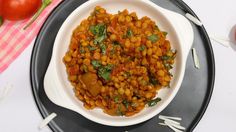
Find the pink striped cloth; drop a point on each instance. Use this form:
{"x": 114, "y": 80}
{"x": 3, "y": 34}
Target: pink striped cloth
{"x": 13, "y": 39}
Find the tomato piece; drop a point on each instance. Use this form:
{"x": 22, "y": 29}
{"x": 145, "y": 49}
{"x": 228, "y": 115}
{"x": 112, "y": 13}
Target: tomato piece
{"x": 18, "y": 9}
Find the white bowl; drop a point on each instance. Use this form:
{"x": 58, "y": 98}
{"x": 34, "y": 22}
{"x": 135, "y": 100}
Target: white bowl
{"x": 59, "y": 89}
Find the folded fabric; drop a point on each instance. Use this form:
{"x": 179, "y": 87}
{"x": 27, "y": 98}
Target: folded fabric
{"x": 13, "y": 39}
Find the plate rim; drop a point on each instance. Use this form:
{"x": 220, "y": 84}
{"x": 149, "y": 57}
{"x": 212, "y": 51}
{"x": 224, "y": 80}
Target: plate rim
{"x": 181, "y": 4}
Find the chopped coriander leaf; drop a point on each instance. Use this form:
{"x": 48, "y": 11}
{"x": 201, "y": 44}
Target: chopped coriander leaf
{"x": 93, "y": 29}
{"x": 152, "y": 79}
{"x": 106, "y": 75}
{"x": 170, "y": 74}
{"x": 168, "y": 66}
{"x": 116, "y": 99}
{"x": 134, "y": 104}
{"x": 82, "y": 51}
{"x": 124, "y": 36}
{"x": 127, "y": 74}
{"x": 142, "y": 48}
{"x": 116, "y": 43}
{"x": 96, "y": 63}
{"x": 105, "y": 71}
{"x": 103, "y": 48}
{"x": 109, "y": 67}
{"x": 91, "y": 48}
{"x": 153, "y": 38}
{"x": 119, "y": 112}
{"x": 153, "y": 102}
{"x": 99, "y": 39}
{"x": 126, "y": 103}
{"x": 165, "y": 57}
{"x": 85, "y": 68}
{"x": 99, "y": 31}
{"x": 168, "y": 85}
{"x": 164, "y": 33}
{"x": 156, "y": 27}
{"x": 129, "y": 33}
{"x": 112, "y": 52}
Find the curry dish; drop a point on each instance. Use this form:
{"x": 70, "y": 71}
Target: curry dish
{"x": 118, "y": 62}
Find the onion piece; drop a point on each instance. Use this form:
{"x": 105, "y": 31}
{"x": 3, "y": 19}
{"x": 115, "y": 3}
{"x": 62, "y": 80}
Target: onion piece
{"x": 196, "y": 59}
{"x": 170, "y": 117}
{"x": 5, "y": 91}
{"x": 163, "y": 124}
{"x": 220, "y": 40}
{"x": 169, "y": 120}
{"x": 47, "y": 120}
{"x": 172, "y": 127}
{"x": 193, "y": 19}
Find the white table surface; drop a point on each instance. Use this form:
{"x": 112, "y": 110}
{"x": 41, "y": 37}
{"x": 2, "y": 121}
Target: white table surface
{"x": 18, "y": 111}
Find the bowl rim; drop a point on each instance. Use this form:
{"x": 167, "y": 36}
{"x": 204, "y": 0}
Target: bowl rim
{"x": 145, "y": 117}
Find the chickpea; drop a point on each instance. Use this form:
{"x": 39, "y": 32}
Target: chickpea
{"x": 73, "y": 78}
{"x": 67, "y": 58}
{"x": 149, "y": 44}
{"x": 113, "y": 37}
{"x": 121, "y": 78}
{"x": 104, "y": 58}
{"x": 138, "y": 24}
{"x": 167, "y": 78}
{"x": 144, "y": 61}
{"x": 75, "y": 53}
{"x": 158, "y": 52}
{"x": 148, "y": 95}
{"x": 121, "y": 18}
{"x": 134, "y": 82}
{"x": 149, "y": 52}
{"x": 86, "y": 62}
{"x": 127, "y": 43}
{"x": 121, "y": 91}
{"x": 161, "y": 73}
{"x": 153, "y": 61}
{"x": 90, "y": 68}
{"x": 102, "y": 11}
{"x": 158, "y": 64}
{"x": 122, "y": 84}
{"x": 87, "y": 55}
{"x": 144, "y": 25}
{"x": 128, "y": 19}
{"x": 127, "y": 92}
{"x": 144, "y": 52}
{"x": 104, "y": 63}
{"x": 117, "y": 85}
{"x": 133, "y": 39}
{"x": 103, "y": 89}
{"x": 84, "y": 44}
{"x": 134, "y": 98}
{"x": 96, "y": 56}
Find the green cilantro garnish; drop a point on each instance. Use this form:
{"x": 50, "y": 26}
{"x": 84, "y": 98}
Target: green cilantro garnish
{"x": 96, "y": 63}
{"x": 91, "y": 48}
{"x": 153, "y": 102}
{"x": 164, "y": 33}
{"x": 142, "y": 48}
{"x": 153, "y": 38}
{"x": 100, "y": 32}
{"x": 103, "y": 48}
{"x": 129, "y": 33}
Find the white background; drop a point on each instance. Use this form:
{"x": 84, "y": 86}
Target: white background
{"x": 18, "y": 112}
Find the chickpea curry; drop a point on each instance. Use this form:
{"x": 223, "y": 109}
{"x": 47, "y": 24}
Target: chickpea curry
{"x": 118, "y": 62}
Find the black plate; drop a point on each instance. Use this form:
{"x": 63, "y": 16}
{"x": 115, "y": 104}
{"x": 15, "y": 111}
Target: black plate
{"x": 190, "y": 103}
